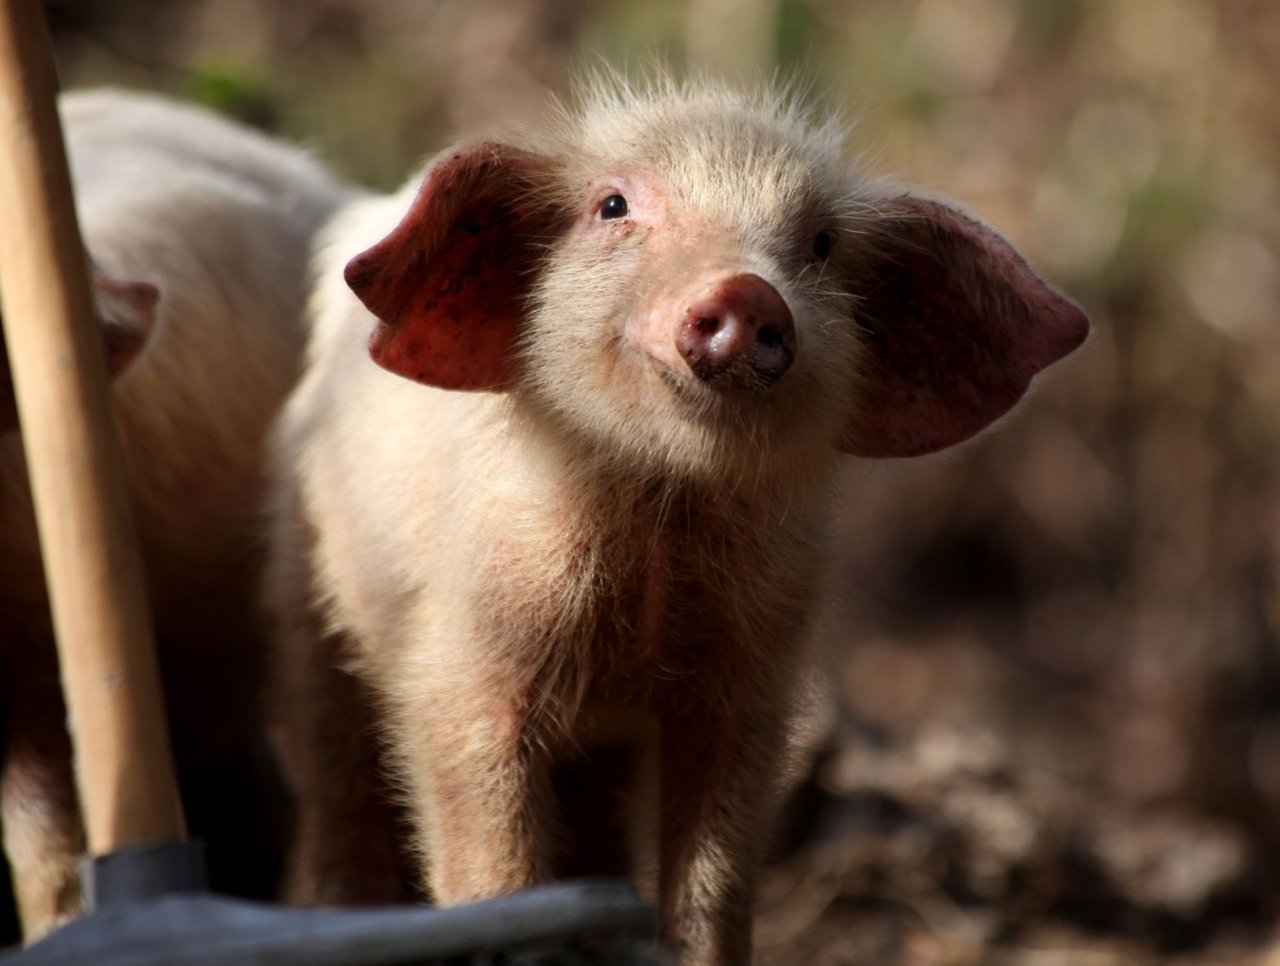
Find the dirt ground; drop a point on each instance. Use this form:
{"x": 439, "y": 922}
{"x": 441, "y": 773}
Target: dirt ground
{"x": 1050, "y": 709}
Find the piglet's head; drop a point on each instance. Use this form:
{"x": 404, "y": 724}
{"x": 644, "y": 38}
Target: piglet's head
{"x": 125, "y": 313}
{"x": 706, "y": 284}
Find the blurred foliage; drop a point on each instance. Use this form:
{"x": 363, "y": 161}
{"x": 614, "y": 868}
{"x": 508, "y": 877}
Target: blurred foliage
{"x": 1087, "y": 597}
{"x": 233, "y": 92}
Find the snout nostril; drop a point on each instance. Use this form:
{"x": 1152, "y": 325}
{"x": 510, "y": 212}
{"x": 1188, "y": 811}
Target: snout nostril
{"x": 769, "y": 337}
{"x": 737, "y": 332}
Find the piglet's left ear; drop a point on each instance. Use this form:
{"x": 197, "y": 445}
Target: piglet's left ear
{"x": 957, "y": 326}
{"x": 450, "y": 284}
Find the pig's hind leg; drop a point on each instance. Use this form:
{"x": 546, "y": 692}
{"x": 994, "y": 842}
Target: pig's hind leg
{"x": 347, "y": 848}
{"x": 43, "y": 837}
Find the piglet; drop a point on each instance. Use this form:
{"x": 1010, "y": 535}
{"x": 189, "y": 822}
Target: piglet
{"x": 553, "y": 494}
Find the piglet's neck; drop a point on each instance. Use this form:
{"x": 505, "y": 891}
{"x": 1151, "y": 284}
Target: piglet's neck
{"x": 610, "y": 493}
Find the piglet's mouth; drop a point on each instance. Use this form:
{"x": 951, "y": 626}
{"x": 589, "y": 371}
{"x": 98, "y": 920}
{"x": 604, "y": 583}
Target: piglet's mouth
{"x": 712, "y": 399}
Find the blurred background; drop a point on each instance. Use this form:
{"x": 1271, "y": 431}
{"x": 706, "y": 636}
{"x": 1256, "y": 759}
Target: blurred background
{"x": 1054, "y": 734}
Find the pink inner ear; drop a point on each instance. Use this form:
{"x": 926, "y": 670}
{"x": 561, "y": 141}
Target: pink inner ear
{"x": 449, "y": 284}
{"x": 957, "y": 326}
{"x": 126, "y": 313}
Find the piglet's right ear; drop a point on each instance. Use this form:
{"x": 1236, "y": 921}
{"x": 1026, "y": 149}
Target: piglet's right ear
{"x": 450, "y": 283}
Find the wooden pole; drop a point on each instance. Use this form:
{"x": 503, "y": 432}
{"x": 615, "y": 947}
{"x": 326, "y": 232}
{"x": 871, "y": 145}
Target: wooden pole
{"x": 109, "y": 675}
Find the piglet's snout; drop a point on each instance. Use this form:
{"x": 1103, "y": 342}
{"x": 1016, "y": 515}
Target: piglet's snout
{"x": 738, "y": 333}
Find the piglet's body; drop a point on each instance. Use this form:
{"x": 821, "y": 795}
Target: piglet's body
{"x": 199, "y": 233}
{"x": 578, "y": 509}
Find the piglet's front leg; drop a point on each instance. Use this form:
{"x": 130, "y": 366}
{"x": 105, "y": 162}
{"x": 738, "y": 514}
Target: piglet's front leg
{"x": 717, "y": 803}
{"x": 480, "y": 789}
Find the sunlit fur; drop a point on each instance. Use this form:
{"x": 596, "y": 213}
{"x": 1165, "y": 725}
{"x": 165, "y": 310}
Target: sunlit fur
{"x": 219, "y": 219}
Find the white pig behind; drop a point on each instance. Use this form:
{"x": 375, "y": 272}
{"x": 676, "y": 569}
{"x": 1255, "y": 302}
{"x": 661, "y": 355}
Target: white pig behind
{"x": 205, "y": 226}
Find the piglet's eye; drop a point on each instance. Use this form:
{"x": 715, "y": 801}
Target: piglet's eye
{"x": 615, "y": 206}
{"x": 822, "y": 245}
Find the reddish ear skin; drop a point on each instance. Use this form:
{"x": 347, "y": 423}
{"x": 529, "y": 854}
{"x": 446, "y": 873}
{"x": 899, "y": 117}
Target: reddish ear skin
{"x": 125, "y": 311}
{"x": 449, "y": 284}
{"x": 958, "y": 324}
